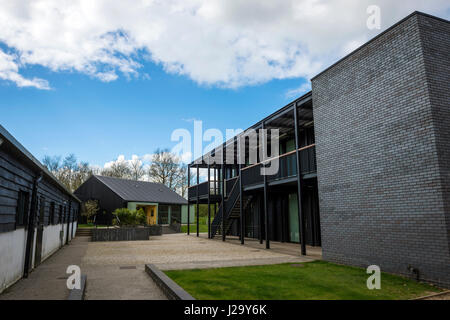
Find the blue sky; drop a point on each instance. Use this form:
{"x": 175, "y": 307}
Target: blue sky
{"x": 98, "y": 121}
{"x": 106, "y": 78}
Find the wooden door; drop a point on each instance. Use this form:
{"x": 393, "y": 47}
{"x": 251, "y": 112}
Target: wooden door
{"x": 151, "y": 215}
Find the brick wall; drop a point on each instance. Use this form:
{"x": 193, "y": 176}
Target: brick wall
{"x": 436, "y": 52}
{"x": 383, "y": 154}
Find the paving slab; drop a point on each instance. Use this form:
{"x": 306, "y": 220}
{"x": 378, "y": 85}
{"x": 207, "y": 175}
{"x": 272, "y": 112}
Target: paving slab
{"x": 48, "y": 280}
{"x": 116, "y": 269}
{"x": 180, "y": 251}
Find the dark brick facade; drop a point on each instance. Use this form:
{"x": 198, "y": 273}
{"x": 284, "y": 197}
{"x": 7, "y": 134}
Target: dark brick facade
{"x": 382, "y": 125}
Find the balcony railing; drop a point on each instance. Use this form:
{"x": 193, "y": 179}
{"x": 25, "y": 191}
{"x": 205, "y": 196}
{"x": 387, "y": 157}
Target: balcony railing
{"x": 251, "y": 175}
{"x": 203, "y": 189}
{"x": 287, "y": 166}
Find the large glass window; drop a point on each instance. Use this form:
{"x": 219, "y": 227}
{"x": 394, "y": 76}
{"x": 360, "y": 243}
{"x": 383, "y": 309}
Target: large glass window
{"x": 175, "y": 215}
{"x": 163, "y": 214}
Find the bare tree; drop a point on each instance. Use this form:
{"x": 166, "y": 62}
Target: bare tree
{"x": 52, "y": 163}
{"x": 166, "y": 168}
{"x": 137, "y": 168}
{"x": 182, "y": 184}
{"x": 119, "y": 169}
{"x": 68, "y": 171}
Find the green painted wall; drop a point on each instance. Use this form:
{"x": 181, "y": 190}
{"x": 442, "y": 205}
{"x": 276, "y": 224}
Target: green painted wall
{"x": 133, "y": 205}
{"x": 184, "y": 213}
{"x": 294, "y": 234}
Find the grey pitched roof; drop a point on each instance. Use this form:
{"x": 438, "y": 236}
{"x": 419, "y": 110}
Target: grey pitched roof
{"x": 142, "y": 191}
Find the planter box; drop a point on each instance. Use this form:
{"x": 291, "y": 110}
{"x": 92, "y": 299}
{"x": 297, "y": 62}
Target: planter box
{"x": 155, "y": 230}
{"x": 121, "y": 234}
{"x": 176, "y": 227}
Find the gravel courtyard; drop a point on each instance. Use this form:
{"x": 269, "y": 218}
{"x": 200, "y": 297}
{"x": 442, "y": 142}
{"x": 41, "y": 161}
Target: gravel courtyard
{"x": 115, "y": 270}
{"x": 180, "y": 251}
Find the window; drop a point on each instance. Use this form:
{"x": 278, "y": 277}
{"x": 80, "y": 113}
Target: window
{"x": 41, "y": 219}
{"x": 163, "y": 214}
{"x": 64, "y": 215}
{"x": 52, "y": 219}
{"x": 22, "y": 208}
{"x": 175, "y": 215}
{"x": 60, "y": 214}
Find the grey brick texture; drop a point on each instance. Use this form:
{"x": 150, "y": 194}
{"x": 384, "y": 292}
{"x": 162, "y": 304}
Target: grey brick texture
{"x": 382, "y": 126}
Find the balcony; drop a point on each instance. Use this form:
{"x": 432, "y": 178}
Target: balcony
{"x": 203, "y": 189}
{"x": 287, "y": 167}
{"x": 251, "y": 175}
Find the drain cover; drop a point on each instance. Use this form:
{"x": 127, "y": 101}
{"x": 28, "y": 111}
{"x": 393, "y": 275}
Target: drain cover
{"x": 127, "y": 267}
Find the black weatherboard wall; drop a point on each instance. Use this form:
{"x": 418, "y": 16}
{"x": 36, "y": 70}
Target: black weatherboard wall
{"x": 108, "y": 200}
{"x": 382, "y": 125}
{"x": 17, "y": 173}
{"x": 113, "y": 193}
{"x": 30, "y": 231}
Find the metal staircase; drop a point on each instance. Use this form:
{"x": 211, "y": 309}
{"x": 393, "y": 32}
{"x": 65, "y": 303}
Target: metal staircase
{"x": 232, "y": 210}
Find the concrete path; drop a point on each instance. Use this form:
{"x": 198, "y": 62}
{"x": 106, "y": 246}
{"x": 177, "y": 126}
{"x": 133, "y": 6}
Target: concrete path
{"x": 104, "y": 282}
{"x": 115, "y": 270}
{"x": 48, "y": 280}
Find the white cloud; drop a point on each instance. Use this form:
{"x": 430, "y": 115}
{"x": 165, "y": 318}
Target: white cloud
{"x": 227, "y": 43}
{"x": 9, "y": 70}
{"x": 304, "y": 88}
{"x": 120, "y": 159}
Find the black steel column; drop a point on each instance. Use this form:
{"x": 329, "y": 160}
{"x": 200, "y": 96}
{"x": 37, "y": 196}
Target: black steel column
{"x": 241, "y": 208}
{"x": 261, "y": 218}
{"x": 31, "y": 219}
{"x": 299, "y": 185}
{"x": 189, "y": 204}
{"x": 266, "y": 215}
{"x": 209, "y": 202}
{"x": 197, "y": 209}
{"x": 215, "y": 182}
{"x": 260, "y": 207}
{"x": 223, "y": 193}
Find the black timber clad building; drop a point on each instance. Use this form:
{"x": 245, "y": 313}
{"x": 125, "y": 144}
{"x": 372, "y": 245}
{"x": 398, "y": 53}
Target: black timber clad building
{"x": 37, "y": 213}
{"x": 157, "y": 200}
{"x": 372, "y": 141}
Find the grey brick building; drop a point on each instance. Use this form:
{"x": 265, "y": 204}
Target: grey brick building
{"x": 382, "y": 124}
{"x": 372, "y": 145}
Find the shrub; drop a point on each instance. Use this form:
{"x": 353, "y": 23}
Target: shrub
{"x": 141, "y": 217}
{"x": 89, "y": 209}
{"x": 126, "y": 217}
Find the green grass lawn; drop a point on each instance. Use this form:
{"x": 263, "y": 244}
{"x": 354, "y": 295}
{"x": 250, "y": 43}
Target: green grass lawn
{"x": 314, "y": 280}
{"x": 203, "y": 225}
{"x": 89, "y": 225}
